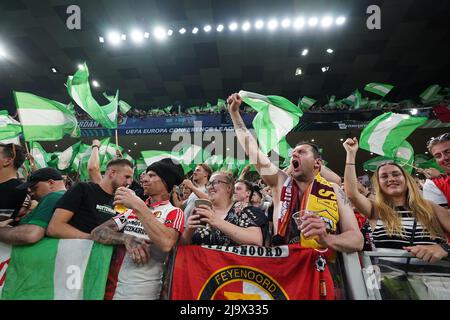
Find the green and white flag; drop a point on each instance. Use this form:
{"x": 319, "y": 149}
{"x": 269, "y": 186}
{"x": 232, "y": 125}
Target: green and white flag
{"x": 385, "y": 134}
{"x": 276, "y": 117}
{"x": 192, "y": 155}
{"x": 372, "y": 164}
{"x": 10, "y": 129}
{"x": 424, "y": 162}
{"x": 41, "y": 157}
{"x": 430, "y": 93}
{"x": 80, "y": 91}
{"x": 44, "y": 119}
{"x": 53, "y": 269}
{"x": 381, "y": 89}
{"x": 404, "y": 156}
{"x": 305, "y": 103}
{"x": 353, "y": 100}
{"x": 123, "y": 106}
{"x": 66, "y": 157}
{"x": 140, "y": 168}
{"x": 215, "y": 162}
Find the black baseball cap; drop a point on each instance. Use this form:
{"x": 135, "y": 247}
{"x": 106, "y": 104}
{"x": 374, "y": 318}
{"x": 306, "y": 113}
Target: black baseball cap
{"x": 43, "y": 174}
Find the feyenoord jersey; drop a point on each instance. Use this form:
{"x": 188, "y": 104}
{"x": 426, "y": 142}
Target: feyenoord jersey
{"x": 126, "y": 280}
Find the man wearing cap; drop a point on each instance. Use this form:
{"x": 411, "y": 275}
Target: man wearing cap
{"x": 145, "y": 233}
{"x": 87, "y": 205}
{"x": 47, "y": 186}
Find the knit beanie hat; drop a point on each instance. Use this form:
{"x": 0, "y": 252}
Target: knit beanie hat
{"x": 169, "y": 170}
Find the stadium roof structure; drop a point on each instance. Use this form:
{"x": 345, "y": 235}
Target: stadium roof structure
{"x": 410, "y": 51}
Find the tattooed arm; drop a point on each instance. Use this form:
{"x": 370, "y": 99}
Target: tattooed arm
{"x": 267, "y": 170}
{"x": 108, "y": 233}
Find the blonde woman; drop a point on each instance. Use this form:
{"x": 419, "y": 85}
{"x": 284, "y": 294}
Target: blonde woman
{"x": 400, "y": 218}
{"x": 224, "y": 225}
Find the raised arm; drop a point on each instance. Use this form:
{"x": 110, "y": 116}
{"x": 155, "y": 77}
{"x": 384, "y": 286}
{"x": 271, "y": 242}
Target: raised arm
{"x": 93, "y": 165}
{"x": 361, "y": 203}
{"x": 330, "y": 175}
{"x": 267, "y": 170}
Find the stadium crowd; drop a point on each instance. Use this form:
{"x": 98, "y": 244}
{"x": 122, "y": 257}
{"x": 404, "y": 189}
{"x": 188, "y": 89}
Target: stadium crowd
{"x": 394, "y": 211}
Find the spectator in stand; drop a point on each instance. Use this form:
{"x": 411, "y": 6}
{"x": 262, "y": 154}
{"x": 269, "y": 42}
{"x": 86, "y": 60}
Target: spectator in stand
{"x": 11, "y": 199}
{"x": 224, "y": 225}
{"x": 399, "y": 216}
{"x": 47, "y": 186}
{"x": 87, "y": 204}
{"x": 437, "y": 186}
{"x": 145, "y": 233}
{"x": 306, "y": 165}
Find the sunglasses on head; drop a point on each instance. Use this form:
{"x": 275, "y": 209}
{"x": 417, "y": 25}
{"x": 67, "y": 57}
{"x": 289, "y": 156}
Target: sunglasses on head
{"x": 442, "y": 137}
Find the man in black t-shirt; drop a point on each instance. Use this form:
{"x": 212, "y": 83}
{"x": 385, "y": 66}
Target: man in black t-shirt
{"x": 87, "y": 205}
{"x": 11, "y": 199}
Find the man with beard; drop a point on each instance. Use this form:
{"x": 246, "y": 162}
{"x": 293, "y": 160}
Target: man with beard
{"x": 304, "y": 188}
{"x": 87, "y": 205}
{"x": 47, "y": 186}
{"x": 145, "y": 234}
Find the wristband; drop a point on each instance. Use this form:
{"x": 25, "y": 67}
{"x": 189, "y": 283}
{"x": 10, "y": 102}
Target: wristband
{"x": 95, "y": 147}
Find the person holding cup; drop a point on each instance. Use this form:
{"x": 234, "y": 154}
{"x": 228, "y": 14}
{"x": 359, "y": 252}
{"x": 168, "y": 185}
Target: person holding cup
{"x": 224, "y": 225}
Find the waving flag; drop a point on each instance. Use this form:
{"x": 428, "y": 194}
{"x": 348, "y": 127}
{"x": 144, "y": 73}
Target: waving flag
{"x": 41, "y": 157}
{"x": 431, "y": 93}
{"x": 123, "y": 106}
{"x": 80, "y": 91}
{"x": 386, "y": 133}
{"x": 52, "y": 269}
{"x": 10, "y": 129}
{"x": 151, "y": 156}
{"x": 44, "y": 119}
{"x": 276, "y": 117}
{"x": 306, "y": 103}
{"x": 380, "y": 89}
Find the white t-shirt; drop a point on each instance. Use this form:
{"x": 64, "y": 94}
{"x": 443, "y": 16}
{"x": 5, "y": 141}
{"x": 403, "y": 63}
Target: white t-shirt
{"x": 126, "y": 280}
{"x": 433, "y": 193}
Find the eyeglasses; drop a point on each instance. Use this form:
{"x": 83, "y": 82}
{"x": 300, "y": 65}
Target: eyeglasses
{"x": 215, "y": 182}
{"x": 442, "y": 137}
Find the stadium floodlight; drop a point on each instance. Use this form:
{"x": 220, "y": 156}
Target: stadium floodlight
{"x": 114, "y": 38}
{"x": 195, "y": 30}
{"x": 80, "y": 66}
{"x": 233, "y": 26}
{"x": 160, "y": 33}
{"x": 298, "y": 71}
{"x": 182, "y": 31}
{"x": 101, "y": 39}
{"x": 170, "y": 32}
{"x": 137, "y": 36}
{"x": 95, "y": 83}
{"x": 330, "y": 51}
{"x": 286, "y": 23}
{"x": 272, "y": 24}
{"x": 325, "y": 69}
{"x": 146, "y": 35}
{"x": 54, "y": 70}
{"x": 246, "y": 26}
{"x": 299, "y": 23}
{"x": 305, "y": 52}
{"x": 326, "y": 21}
{"x": 414, "y": 111}
{"x": 123, "y": 37}
{"x": 207, "y": 28}
{"x": 220, "y": 28}
{"x": 313, "y": 21}
{"x": 259, "y": 24}
{"x": 340, "y": 20}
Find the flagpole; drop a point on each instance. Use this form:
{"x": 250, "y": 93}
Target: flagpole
{"x": 117, "y": 145}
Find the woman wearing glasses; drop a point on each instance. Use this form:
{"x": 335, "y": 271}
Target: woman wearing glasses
{"x": 223, "y": 225}
{"x": 399, "y": 216}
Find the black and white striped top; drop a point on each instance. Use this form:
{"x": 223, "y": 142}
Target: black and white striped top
{"x": 382, "y": 239}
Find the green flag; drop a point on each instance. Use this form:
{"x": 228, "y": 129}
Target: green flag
{"x": 424, "y": 162}
{"x": 66, "y": 157}
{"x": 215, "y": 162}
{"x": 405, "y": 156}
{"x": 140, "y": 166}
{"x": 10, "y": 129}
{"x": 353, "y": 100}
{"x": 57, "y": 269}
{"x": 44, "y": 119}
{"x": 80, "y": 91}
{"x": 276, "y": 117}
{"x": 305, "y": 103}
{"x": 430, "y": 94}
{"x": 123, "y": 106}
{"x": 380, "y": 89}
{"x": 385, "y": 134}
{"x": 152, "y": 156}
{"x": 41, "y": 157}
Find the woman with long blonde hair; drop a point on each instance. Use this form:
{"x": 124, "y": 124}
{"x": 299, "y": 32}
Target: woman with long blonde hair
{"x": 400, "y": 218}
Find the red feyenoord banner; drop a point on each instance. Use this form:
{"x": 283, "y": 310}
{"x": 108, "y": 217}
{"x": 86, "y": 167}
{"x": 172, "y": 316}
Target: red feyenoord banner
{"x": 251, "y": 273}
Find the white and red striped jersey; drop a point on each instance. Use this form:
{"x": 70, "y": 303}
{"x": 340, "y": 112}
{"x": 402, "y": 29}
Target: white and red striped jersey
{"x": 126, "y": 280}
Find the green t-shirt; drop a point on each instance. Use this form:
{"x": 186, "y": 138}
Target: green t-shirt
{"x": 41, "y": 215}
